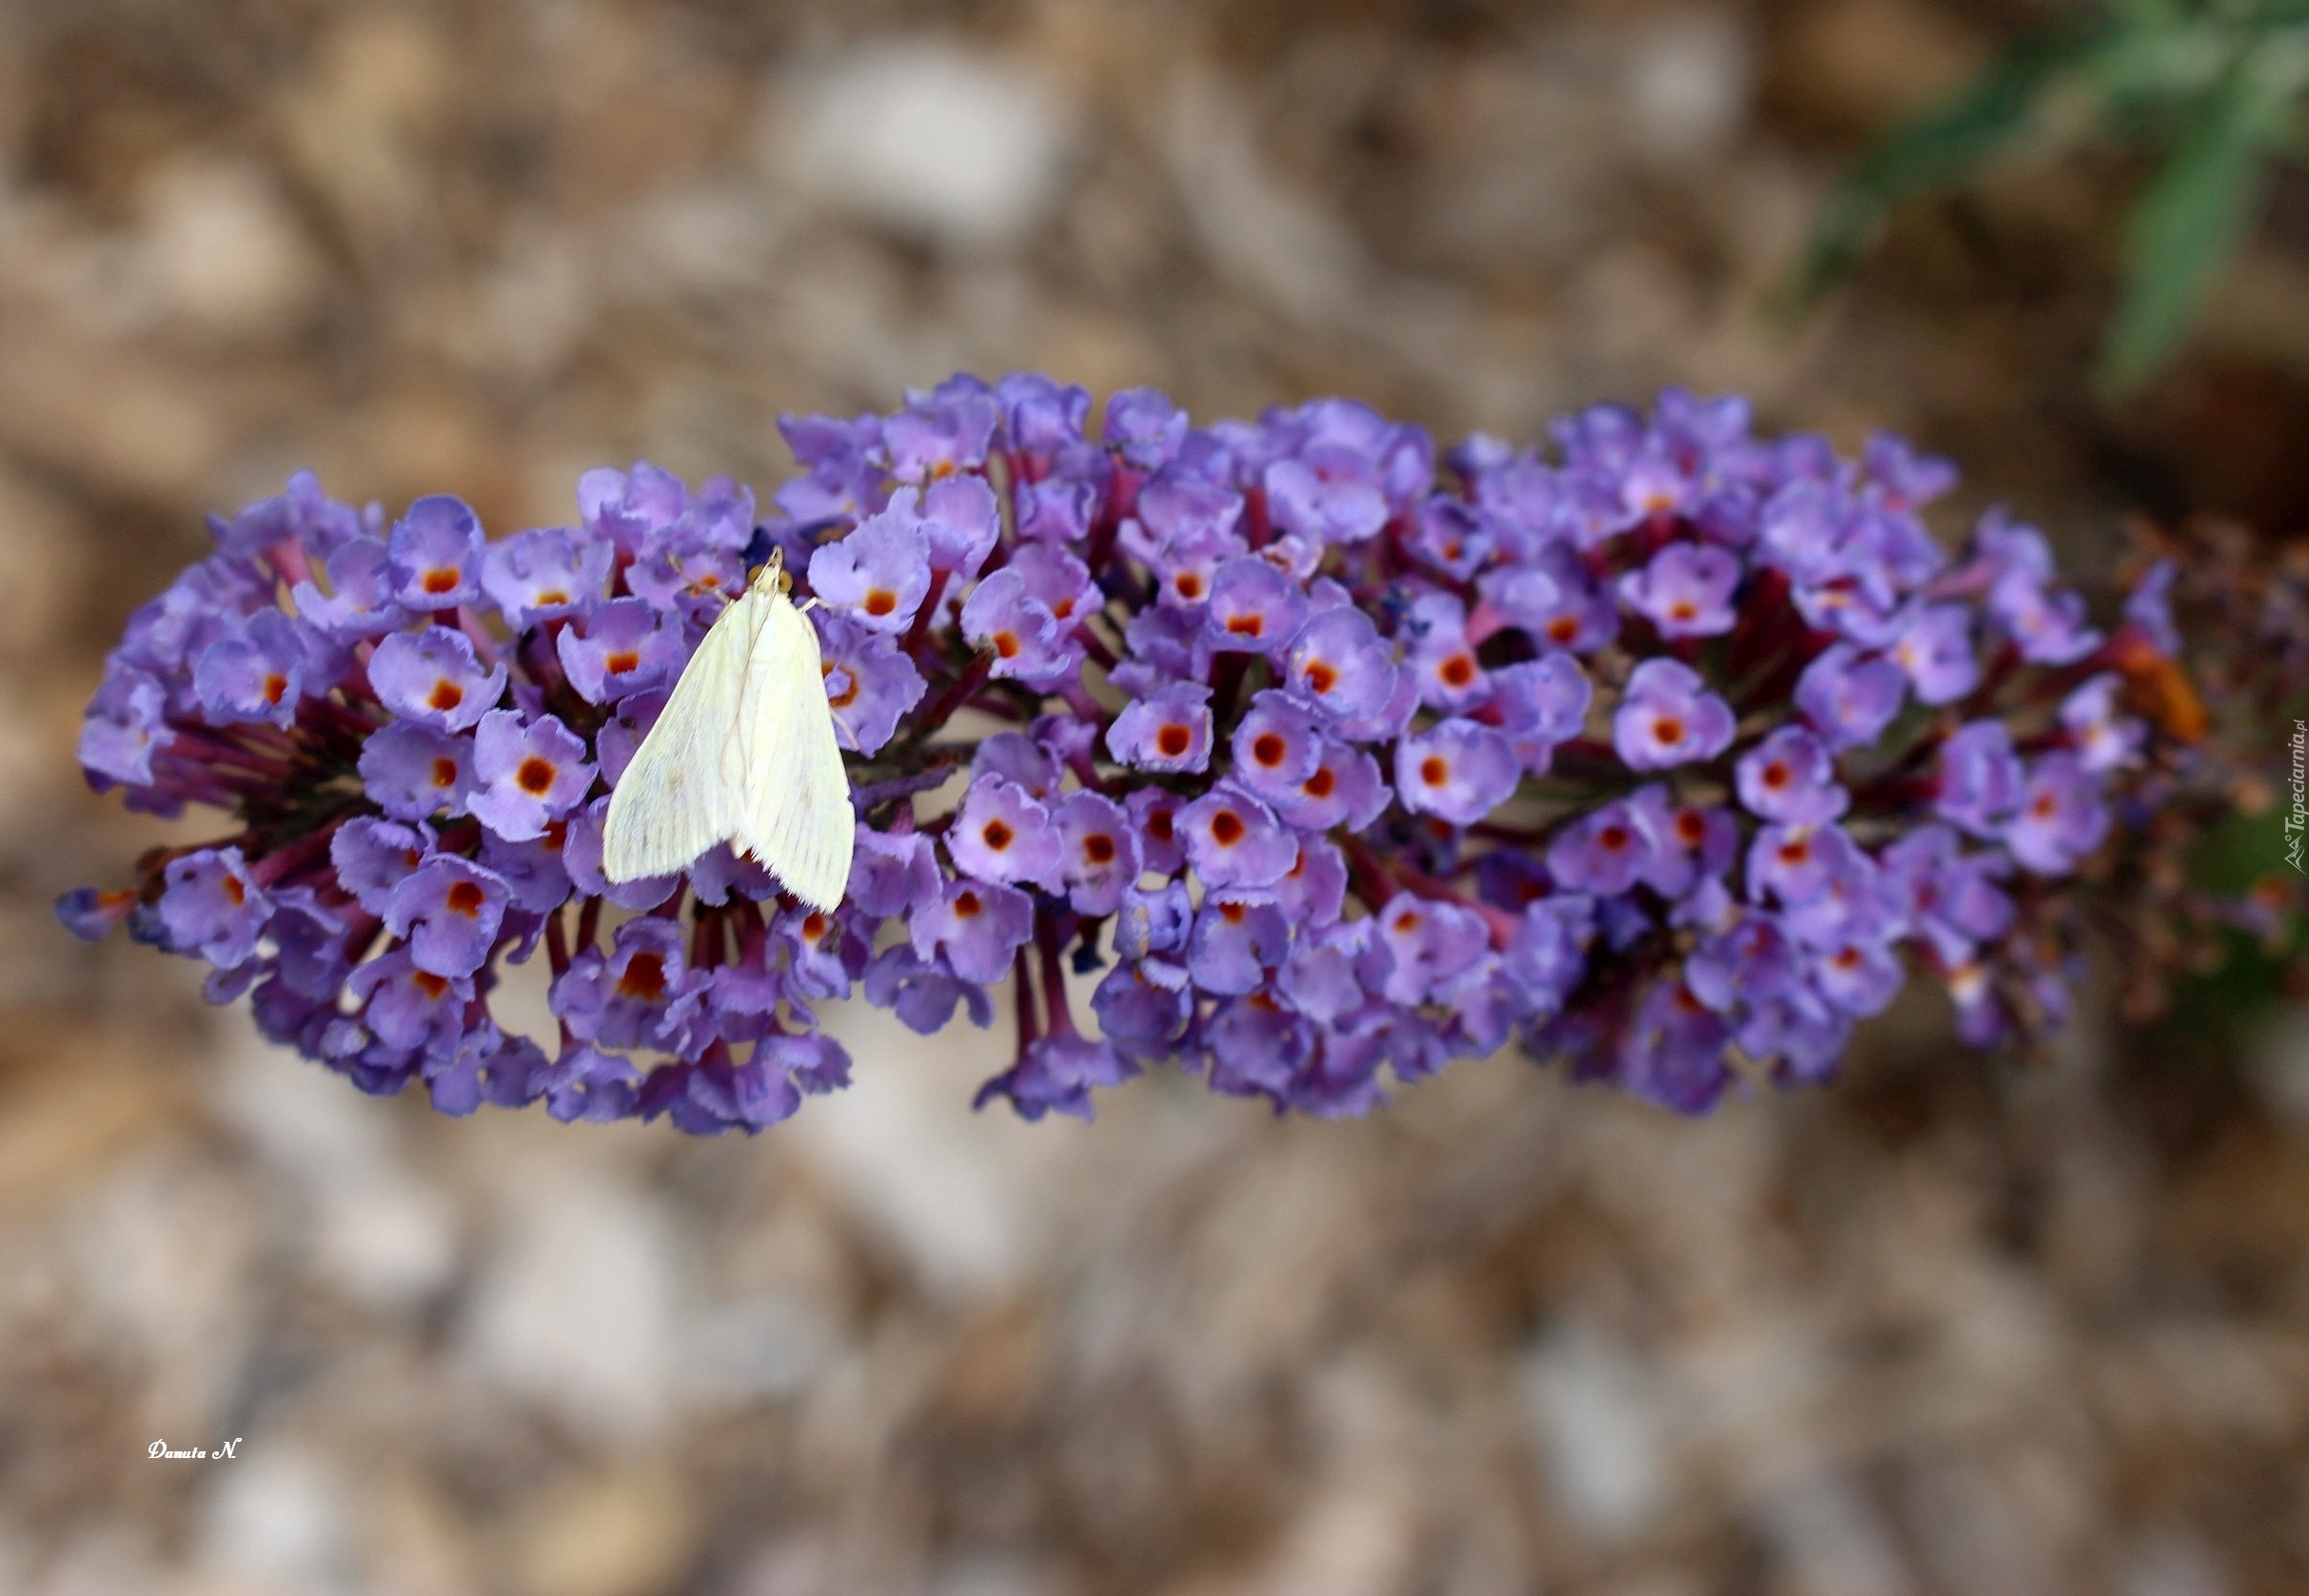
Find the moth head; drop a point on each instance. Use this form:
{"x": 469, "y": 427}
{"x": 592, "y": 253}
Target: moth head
{"x": 772, "y": 578}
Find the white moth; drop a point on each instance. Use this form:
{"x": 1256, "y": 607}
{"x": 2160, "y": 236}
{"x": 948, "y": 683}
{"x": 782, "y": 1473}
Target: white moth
{"x": 745, "y": 753}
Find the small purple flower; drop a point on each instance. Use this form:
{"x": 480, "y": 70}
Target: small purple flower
{"x": 1154, "y": 813}
{"x": 1432, "y": 945}
{"x": 1668, "y": 718}
{"x": 2049, "y": 627}
{"x": 373, "y": 856}
{"x": 1451, "y": 679}
{"x": 979, "y": 926}
{"x": 124, "y": 726}
{"x": 1980, "y": 777}
{"x": 1949, "y": 897}
{"x": 530, "y": 773}
{"x": 1099, "y": 851}
{"x": 1685, "y": 591}
{"x": 1457, "y": 770}
{"x": 1238, "y": 937}
{"x": 1674, "y": 1052}
{"x": 435, "y": 554}
{"x": 1848, "y": 697}
{"x": 1040, "y": 416}
{"x": 1343, "y": 789}
{"x": 2149, "y": 606}
{"x": 1144, "y": 1002}
{"x": 941, "y": 432}
{"x": 2104, "y": 739}
{"x": 409, "y": 1008}
{"x": 413, "y": 773}
{"x": 1339, "y": 663}
{"x": 1797, "y": 863}
{"x": 1057, "y": 1073}
{"x": 540, "y": 575}
{"x": 213, "y": 906}
{"x": 870, "y": 684}
{"x": 1144, "y": 426}
{"x": 255, "y": 672}
{"x": 434, "y": 678}
{"x": 961, "y": 522}
{"x": 360, "y": 601}
{"x": 1255, "y": 608}
{"x": 641, "y": 993}
{"x": 1935, "y": 648}
{"x": 1329, "y": 493}
{"x": 1004, "y": 619}
{"x": 1234, "y": 840}
{"x": 1790, "y": 776}
{"x": 2061, "y": 818}
{"x": 1001, "y": 834}
{"x": 1168, "y": 730}
{"x": 1540, "y": 704}
{"x": 878, "y": 575}
{"x": 1687, "y": 841}
{"x": 1449, "y": 535}
{"x": 625, "y": 646}
{"x": 449, "y": 909}
{"x": 1276, "y": 748}
{"x": 1858, "y": 975}
{"x": 1602, "y": 853}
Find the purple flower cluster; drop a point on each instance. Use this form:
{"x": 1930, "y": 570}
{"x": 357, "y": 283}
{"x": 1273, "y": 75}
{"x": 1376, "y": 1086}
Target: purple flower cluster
{"x": 1332, "y": 761}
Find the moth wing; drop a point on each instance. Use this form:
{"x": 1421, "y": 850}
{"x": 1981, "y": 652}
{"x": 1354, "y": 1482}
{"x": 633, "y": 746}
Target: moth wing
{"x": 795, "y": 815}
{"x": 685, "y": 788}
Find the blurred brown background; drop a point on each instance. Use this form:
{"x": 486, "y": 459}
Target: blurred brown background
{"x": 1954, "y": 1325}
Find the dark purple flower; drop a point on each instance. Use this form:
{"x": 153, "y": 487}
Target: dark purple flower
{"x": 1154, "y": 812}
{"x": 1687, "y": 841}
{"x": 409, "y": 1008}
{"x": 641, "y": 993}
{"x": 530, "y": 773}
{"x": 450, "y": 911}
{"x": 435, "y": 554}
{"x": 1674, "y": 1052}
{"x": 1797, "y": 863}
{"x": 1440, "y": 656}
{"x": 124, "y": 726}
{"x": 434, "y": 678}
{"x": 1144, "y": 1003}
{"x": 1058, "y": 1072}
{"x": 1457, "y": 771}
{"x": 1668, "y": 718}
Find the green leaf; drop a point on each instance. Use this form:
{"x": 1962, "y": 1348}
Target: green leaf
{"x": 2194, "y": 215}
{"x": 1938, "y": 149}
